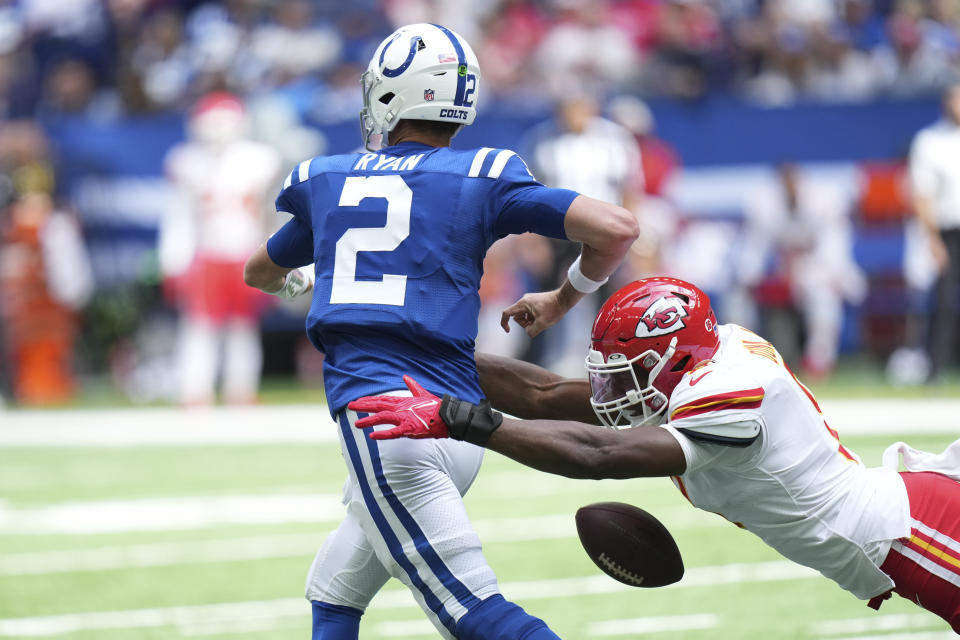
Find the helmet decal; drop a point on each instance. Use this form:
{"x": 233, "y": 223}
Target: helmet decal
{"x": 663, "y": 317}
{"x": 415, "y": 42}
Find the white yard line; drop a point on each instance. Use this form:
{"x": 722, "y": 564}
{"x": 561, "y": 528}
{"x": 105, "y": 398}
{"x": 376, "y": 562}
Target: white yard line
{"x": 892, "y": 622}
{"x": 773, "y": 571}
{"x": 197, "y": 512}
{"x": 105, "y": 558}
{"x": 655, "y": 624}
{"x": 228, "y": 613}
{"x": 311, "y": 424}
{"x": 257, "y": 613}
{"x": 168, "y": 514}
{"x": 919, "y": 635}
{"x": 893, "y": 416}
{"x": 140, "y": 556}
{"x": 168, "y": 426}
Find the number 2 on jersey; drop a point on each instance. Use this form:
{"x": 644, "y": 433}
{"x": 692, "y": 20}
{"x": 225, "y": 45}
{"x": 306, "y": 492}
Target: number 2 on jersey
{"x": 346, "y": 289}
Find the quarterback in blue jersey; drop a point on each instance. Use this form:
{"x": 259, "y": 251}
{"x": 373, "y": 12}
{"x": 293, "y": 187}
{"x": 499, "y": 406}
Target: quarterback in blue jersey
{"x": 391, "y": 243}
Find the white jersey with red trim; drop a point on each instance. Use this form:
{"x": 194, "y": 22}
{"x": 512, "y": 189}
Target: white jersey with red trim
{"x": 225, "y": 189}
{"x": 760, "y": 454}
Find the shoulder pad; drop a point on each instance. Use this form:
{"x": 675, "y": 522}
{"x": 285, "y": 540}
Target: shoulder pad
{"x": 717, "y": 404}
{"x": 490, "y": 163}
{"x": 731, "y": 434}
{"x": 300, "y": 173}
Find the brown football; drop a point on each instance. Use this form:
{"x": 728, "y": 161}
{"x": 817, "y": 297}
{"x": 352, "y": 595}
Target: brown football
{"x": 629, "y": 544}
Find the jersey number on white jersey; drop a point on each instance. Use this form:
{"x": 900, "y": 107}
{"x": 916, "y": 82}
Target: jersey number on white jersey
{"x": 346, "y": 289}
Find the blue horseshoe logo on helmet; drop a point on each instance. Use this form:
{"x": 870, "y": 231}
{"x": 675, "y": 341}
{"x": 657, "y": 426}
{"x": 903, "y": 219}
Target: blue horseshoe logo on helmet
{"x": 393, "y": 73}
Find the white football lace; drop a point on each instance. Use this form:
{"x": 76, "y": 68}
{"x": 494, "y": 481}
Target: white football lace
{"x": 619, "y": 571}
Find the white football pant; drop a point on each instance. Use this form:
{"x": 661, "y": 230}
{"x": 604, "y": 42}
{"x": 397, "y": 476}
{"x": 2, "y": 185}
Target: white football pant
{"x": 406, "y": 519}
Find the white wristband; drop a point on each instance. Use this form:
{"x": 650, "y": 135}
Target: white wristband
{"x": 297, "y": 282}
{"x": 580, "y": 282}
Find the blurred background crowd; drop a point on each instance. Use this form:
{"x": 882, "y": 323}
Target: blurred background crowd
{"x": 107, "y": 58}
{"x": 765, "y": 146}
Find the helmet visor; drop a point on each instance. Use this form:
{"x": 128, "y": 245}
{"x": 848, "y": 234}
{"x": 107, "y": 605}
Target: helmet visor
{"x": 610, "y": 385}
{"x": 621, "y": 394}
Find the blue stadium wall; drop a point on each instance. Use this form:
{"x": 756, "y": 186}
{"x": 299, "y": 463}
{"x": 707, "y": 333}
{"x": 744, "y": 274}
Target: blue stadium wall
{"x": 113, "y": 171}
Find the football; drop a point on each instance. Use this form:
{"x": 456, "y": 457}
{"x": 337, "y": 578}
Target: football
{"x": 629, "y": 544}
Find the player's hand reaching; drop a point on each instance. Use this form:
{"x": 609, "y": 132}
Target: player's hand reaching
{"x": 414, "y": 417}
{"x": 427, "y": 416}
{"x": 538, "y": 311}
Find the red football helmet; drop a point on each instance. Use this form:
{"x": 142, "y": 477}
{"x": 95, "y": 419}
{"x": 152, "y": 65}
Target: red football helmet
{"x": 646, "y": 336}
{"x": 218, "y": 118}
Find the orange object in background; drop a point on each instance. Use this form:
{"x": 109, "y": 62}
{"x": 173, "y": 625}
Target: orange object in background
{"x": 39, "y": 332}
{"x": 885, "y": 192}
{"x": 42, "y": 373}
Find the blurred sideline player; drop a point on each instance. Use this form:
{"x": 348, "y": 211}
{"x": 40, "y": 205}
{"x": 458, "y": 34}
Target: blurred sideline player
{"x": 804, "y": 226}
{"x": 935, "y": 179}
{"x": 737, "y": 432}
{"x": 221, "y": 181}
{"x": 395, "y": 240}
{"x": 581, "y": 150}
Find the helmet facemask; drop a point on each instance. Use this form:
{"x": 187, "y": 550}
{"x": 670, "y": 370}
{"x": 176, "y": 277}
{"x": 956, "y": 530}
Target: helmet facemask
{"x": 624, "y": 395}
{"x": 370, "y": 125}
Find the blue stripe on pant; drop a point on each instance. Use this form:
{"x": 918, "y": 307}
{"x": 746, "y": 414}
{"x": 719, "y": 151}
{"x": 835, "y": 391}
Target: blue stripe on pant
{"x": 422, "y": 544}
{"x": 433, "y": 561}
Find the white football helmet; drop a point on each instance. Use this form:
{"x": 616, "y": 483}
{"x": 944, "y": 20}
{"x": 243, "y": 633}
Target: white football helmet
{"x": 420, "y": 72}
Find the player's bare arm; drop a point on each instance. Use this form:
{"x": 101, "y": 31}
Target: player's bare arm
{"x": 571, "y": 449}
{"x": 527, "y": 391}
{"x": 578, "y": 450}
{"x": 261, "y": 272}
{"x": 606, "y": 232}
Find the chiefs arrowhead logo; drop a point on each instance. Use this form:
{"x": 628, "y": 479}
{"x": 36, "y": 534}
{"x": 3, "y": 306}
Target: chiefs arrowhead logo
{"x": 662, "y": 317}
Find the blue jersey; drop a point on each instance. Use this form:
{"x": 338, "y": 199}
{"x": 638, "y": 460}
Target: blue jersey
{"x": 397, "y": 239}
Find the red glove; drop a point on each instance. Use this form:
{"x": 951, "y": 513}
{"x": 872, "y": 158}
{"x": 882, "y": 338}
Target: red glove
{"x": 416, "y": 417}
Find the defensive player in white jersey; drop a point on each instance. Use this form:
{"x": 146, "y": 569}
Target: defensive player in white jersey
{"x": 739, "y": 434}
{"x": 220, "y": 180}
{"x": 395, "y": 240}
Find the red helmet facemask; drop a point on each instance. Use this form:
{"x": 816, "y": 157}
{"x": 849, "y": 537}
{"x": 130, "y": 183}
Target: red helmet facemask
{"x": 646, "y": 336}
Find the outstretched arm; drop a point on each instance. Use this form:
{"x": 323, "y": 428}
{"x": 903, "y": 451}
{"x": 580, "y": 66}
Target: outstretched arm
{"x": 577, "y": 450}
{"x": 571, "y": 449}
{"x": 528, "y": 391}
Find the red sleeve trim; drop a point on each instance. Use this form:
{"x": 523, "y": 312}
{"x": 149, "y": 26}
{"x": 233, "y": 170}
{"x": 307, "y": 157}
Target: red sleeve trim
{"x": 747, "y": 399}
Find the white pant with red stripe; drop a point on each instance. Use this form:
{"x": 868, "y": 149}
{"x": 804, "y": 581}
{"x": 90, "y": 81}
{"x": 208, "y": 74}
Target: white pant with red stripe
{"x": 926, "y": 567}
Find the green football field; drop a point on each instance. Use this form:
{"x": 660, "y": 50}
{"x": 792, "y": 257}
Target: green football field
{"x": 161, "y": 523}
